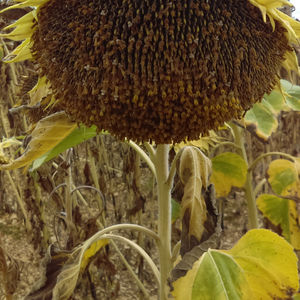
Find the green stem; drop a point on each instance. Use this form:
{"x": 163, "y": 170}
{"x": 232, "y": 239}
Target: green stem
{"x": 164, "y": 216}
{"x": 252, "y": 211}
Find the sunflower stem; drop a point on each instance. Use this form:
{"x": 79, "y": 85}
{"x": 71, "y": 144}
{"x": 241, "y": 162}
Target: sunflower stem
{"x": 252, "y": 211}
{"x": 161, "y": 162}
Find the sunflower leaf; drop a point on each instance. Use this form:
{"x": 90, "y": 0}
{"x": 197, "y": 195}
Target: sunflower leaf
{"x": 194, "y": 171}
{"x": 252, "y": 269}
{"x": 228, "y": 170}
{"x": 77, "y": 136}
{"x": 48, "y": 132}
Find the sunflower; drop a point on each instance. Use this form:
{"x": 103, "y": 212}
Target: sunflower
{"x": 165, "y": 71}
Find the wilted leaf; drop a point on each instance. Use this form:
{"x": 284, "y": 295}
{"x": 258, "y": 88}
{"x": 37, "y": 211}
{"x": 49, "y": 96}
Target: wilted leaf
{"x": 212, "y": 241}
{"x": 63, "y": 270}
{"x": 77, "y": 136}
{"x": 39, "y": 91}
{"x": 261, "y": 265}
{"x": 228, "y": 170}
{"x": 46, "y": 135}
{"x": 194, "y": 171}
{"x": 67, "y": 279}
{"x": 282, "y": 213}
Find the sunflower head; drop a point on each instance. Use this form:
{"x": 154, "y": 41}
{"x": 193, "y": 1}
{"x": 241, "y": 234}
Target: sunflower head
{"x": 157, "y": 70}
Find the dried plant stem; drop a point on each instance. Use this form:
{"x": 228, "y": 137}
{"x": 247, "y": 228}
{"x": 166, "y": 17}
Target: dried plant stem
{"x": 20, "y": 201}
{"x": 139, "y": 283}
{"x": 161, "y": 163}
{"x": 68, "y": 198}
{"x": 95, "y": 177}
{"x": 132, "y": 244}
{"x": 143, "y": 155}
{"x": 252, "y": 210}
{"x": 123, "y": 226}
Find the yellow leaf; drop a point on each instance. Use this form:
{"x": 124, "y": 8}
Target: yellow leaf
{"x": 46, "y": 135}
{"x": 269, "y": 263}
{"x": 23, "y": 28}
{"x": 91, "y": 251}
{"x": 261, "y": 266}
{"x": 22, "y": 52}
{"x": 282, "y": 213}
{"x": 39, "y": 91}
{"x": 228, "y": 170}
{"x": 204, "y": 143}
{"x": 283, "y": 176}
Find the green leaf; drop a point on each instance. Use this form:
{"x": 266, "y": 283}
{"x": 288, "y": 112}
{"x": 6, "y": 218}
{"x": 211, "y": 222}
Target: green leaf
{"x": 283, "y": 213}
{"x": 229, "y": 169}
{"x": 293, "y": 97}
{"x": 263, "y": 119}
{"x": 77, "y": 136}
{"x": 261, "y": 265}
{"x": 263, "y": 116}
{"x": 176, "y": 209}
{"x": 214, "y": 276}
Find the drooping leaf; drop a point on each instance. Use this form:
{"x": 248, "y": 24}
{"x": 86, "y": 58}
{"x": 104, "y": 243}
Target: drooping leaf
{"x": 261, "y": 265}
{"x": 207, "y": 242}
{"x": 46, "y": 135}
{"x": 283, "y": 213}
{"x": 228, "y": 170}
{"x": 63, "y": 271}
{"x": 194, "y": 171}
{"x": 77, "y": 136}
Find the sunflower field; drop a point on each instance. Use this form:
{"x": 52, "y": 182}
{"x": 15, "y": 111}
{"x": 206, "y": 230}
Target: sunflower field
{"x": 149, "y": 149}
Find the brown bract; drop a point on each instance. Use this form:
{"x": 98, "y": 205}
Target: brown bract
{"x": 159, "y": 70}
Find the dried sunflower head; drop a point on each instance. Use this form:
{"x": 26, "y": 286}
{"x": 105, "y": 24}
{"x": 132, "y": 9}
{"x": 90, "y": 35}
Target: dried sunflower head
{"x": 161, "y": 70}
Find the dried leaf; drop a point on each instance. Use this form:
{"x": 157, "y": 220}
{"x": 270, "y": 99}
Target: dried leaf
{"x": 63, "y": 271}
{"x": 194, "y": 170}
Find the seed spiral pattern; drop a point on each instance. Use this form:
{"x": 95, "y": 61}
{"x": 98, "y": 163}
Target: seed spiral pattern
{"x": 158, "y": 70}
